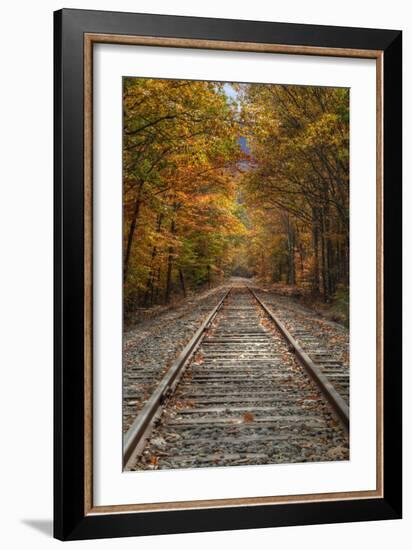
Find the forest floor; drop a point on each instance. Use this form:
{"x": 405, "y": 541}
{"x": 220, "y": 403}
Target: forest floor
{"x": 336, "y": 311}
{"x": 154, "y": 342}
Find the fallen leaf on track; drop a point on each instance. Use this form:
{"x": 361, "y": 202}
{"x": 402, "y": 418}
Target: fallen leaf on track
{"x": 248, "y": 417}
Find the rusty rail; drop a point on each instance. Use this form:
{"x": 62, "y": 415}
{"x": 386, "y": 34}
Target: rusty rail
{"x": 337, "y": 403}
{"x": 141, "y": 425}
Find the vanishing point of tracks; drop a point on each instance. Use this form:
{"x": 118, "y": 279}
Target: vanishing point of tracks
{"x": 242, "y": 391}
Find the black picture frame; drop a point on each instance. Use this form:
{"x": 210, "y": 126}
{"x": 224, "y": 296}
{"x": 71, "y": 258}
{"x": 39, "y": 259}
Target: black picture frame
{"x": 70, "y": 519}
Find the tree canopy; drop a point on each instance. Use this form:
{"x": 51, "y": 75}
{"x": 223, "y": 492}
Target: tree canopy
{"x": 297, "y": 188}
{"x": 213, "y": 185}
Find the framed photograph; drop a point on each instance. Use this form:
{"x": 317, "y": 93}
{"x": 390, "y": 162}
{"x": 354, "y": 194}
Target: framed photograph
{"x": 227, "y": 274}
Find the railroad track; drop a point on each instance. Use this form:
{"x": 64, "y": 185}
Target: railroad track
{"x": 242, "y": 391}
{"x": 322, "y": 355}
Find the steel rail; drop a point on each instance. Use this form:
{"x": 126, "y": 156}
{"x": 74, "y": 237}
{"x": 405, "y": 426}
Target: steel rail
{"x": 338, "y": 404}
{"x": 166, "y": 386}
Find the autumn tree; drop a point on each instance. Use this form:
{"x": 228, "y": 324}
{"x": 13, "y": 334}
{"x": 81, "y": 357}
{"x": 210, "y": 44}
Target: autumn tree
{"x": 180, "y": 157}
{"x": 299, "y": 175}
{"x": 252, "y": 186}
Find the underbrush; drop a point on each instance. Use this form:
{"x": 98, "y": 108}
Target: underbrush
{"x": 336, "y": 310}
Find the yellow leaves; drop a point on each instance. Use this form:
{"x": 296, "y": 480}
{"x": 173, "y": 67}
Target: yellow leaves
{"x": 209, "y": 205}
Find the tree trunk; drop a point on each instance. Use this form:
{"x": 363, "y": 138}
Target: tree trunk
{"x": 291, "y": 253}
{"x": 151, "y": 277}
{"x": 219, "y": 264}
{"x": 330, "y": 263}
{"x": 302, "y": 266}
{"x": 170, "y": 264}
{"x": 324, "y": 257}
{"x": 155, "y": 289}
{"x": 346, "y": 262}
{"x": 315, "y": 245}
{"x": 182, "y": 282}
{"x": 280, "y": 271}
{"x": 132, "y": 229}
